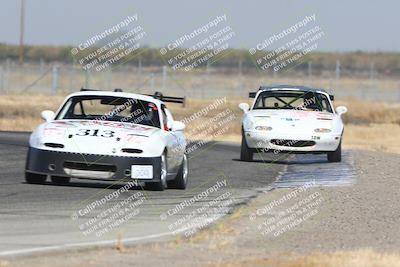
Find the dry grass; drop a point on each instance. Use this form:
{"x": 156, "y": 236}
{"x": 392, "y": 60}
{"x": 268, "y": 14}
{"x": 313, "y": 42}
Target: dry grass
{"x": 22, "y": 113}
{"x": 370, "y": 112}
{"x": 361, "y": 258}
{"x": 375, "y": 137}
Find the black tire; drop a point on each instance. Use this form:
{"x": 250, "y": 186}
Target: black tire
{"x": 162, "y": 184}
{"x": 181, "y": 179}
{"x": 60, "y": 180}
{"x": 246, "y": 154}
{"x": 33, "y": 178}
{"x": 336, "y": 156}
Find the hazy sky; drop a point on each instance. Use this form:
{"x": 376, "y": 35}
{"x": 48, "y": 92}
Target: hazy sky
{"x": 348, "y": 25}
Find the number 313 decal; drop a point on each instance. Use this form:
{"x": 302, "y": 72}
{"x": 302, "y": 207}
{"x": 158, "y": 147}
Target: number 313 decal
{"x": 95, "y": 132}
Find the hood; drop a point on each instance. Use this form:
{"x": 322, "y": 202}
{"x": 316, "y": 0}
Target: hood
{"x": 96, "y": 137}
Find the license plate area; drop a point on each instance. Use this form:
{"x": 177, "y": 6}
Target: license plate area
{"x": 142, "y": 172}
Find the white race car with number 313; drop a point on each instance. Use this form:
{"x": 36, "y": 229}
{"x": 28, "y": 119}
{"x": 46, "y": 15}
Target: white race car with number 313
{"x": 112, "y": 136}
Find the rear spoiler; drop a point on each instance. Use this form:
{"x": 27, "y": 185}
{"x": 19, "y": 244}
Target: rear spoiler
{"x": 89, "y": 89}
{"x": 171, "y": 99}
{"x": 156, "y": 95}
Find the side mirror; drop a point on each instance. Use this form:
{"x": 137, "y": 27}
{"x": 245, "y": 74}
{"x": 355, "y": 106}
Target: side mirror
{"x": 47, "y": 115}
{"x": 178, "y": 126}
{"x": 244, "y": 106}
{"x": 341, "y": 110}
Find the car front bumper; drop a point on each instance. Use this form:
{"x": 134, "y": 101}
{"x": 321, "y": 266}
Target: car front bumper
{"x": 90, "y": 166}
{"x": 270, "y": 142}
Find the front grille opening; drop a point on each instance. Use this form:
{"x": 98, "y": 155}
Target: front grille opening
{"x": 54, "y": 145}
{"x": 132, "y": 150}
{"x": 89, "y": 167}
{"x": 292, "y": 143}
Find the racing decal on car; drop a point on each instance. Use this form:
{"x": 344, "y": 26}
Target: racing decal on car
{"x": 290, "y": 119}
{"x": 63, "y": 124}
{"x": 139, "y": 128}
{"x": 95, "y": 133}
{"x": 105, "y": 123}
{"x": 56, "y": 131}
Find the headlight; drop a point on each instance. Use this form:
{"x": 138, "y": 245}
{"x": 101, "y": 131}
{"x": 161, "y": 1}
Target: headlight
{"x": 35, "y": 141}
{"x": 322, "y": 130}
{"x": 263, "y": 128}
{"x": 248, "y": 123}
{"x": 53, "y": 132}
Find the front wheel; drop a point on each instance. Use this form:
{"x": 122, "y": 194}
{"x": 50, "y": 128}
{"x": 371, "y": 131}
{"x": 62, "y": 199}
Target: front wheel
{"x": 33, "y": 178}
{"x": 246, "y": 154}
{"x": 162, "y": 184}
{"x": 336, "y": 156}
{"x": 181, "y": 179}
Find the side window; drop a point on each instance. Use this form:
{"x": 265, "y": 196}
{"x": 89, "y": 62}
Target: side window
{"x": 78, "y": 108}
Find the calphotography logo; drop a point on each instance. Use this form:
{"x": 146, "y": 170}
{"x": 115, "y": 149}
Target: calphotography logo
{"x": 287, "y": 212}
{"x": 110, "y": 212}
{"x": 114, "y": 45}
{"x": 201, "y": 210}
{"x": 208, "y": 124}
{"x": 287, "y": 48}
{"x": 204, "y": 45}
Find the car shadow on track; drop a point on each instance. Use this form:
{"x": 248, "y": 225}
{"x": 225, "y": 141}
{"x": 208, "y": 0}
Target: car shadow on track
{"x": 176, "y": 193}
{"x": 290, "y": 161}
{"x": 92, "y": 184}
{"x": 99, "y": 185}
{"x": 164, "y": 198}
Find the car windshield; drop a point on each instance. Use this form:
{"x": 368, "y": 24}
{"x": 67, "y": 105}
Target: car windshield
{"x": 110, "y": 108}
{"x": 299, "y": 100}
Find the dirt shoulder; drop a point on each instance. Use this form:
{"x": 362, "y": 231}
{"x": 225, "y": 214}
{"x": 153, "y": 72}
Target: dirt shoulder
{"x": 360, "y": 221}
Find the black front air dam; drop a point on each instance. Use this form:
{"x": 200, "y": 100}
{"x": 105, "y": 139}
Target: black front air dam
{"x": 53, "y": 162}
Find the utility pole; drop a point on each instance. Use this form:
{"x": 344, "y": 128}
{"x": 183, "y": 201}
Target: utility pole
{"x": 21, "y": 33}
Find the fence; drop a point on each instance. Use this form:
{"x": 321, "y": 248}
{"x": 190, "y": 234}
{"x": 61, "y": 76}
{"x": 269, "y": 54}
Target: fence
{"x": 53, "y": 78}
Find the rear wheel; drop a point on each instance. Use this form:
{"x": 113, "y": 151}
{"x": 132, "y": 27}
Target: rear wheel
{"x": 246, "y": 154}
{"x": 335, "y": 156}
{"x": 162, "y": 184}
{"x": 181, "y": 179}
{"x": 33, "y": 178}
{"x": 60, "y": 180}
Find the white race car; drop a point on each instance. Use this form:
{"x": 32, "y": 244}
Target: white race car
{"x": 113, "y": 136}
{"x": 294, "y": 119}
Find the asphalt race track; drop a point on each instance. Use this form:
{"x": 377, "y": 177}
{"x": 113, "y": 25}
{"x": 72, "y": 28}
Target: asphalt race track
{"x": 40, "y": 218}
